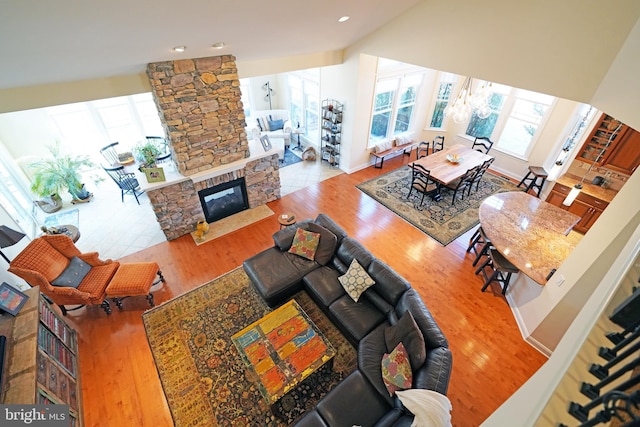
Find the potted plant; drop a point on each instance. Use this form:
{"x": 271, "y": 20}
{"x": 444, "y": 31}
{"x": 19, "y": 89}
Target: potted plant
{"x": 146, "y": 153}
{"x": 61, "y": 172}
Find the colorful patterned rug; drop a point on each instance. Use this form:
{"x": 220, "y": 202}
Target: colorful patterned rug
{"x": 440, "y": 220}
{"x": 204, "y": 378}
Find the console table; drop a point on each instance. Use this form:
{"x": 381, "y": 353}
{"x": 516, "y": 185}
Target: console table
{"x": 532, "y": 234}
{"x": 41, "y": 365}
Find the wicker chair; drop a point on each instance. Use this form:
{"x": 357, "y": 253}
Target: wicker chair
{"x": 45, "y": 259}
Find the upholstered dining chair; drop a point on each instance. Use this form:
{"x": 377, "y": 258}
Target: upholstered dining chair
{"x": 461, "y": 184}
{"x": 422, "y": 150}
{"x": 421, "y": 181}
{"x": 127, "y": 182}
{"x": 479, "y": 174}
{"x": 482, "y": 144}
{"x": 438, "y": 143}
{"x": 64, "y": 274}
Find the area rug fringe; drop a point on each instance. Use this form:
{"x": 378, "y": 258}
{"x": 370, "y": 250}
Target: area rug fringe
{"x": 441, "y": 220}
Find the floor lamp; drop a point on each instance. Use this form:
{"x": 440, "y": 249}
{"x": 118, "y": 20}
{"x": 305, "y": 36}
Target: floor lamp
{"x": 8, "y": 237}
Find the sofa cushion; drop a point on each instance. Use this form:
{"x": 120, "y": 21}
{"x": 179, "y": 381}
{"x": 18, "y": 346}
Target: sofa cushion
{"x": 283, "y": 239}
{"x": 370, "y": 351}
{"x": 355, "y": 319}
{"x": 389, "y": 284}
{"x": 327, "y": 245}
{"x": 411, "y": 301}
{"x": 436, "y": 371}
{"x": 396, "y": 370}
{"x": 323, "y": 286}
{"x": 328, "y": 223}
{"x": 356, "y": 280}
{"x": 73, "y": 275}
{"x": 353, "y": 402}
{"x": 406, "y": 331}
{"x": 311, "y": 419}
{"x": 348, "y": 250}
{"x": 305, "y": 244}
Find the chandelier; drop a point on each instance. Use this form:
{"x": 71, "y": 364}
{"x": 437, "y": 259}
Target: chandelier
{"x": 466, "y": 102}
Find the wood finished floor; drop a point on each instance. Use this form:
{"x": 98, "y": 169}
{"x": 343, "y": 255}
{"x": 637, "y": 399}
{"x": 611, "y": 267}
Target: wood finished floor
{"x": 120, "y": 384}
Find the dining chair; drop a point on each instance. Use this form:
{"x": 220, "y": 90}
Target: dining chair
{"x": 461, "y": 184}
{"x": 421, "y": 181}
{"x": 422, "y": 150}
{"x": 482, "y": 144}
{"x": 438, "y": 143}
{"x": 479, "y": 174}
{"x": 127, "y": 182}
{"x": 110, "y": 153}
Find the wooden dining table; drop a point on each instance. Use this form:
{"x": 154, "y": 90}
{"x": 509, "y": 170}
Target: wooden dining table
{"x": 532, "y": 234}
{"x": 445, "y": 171}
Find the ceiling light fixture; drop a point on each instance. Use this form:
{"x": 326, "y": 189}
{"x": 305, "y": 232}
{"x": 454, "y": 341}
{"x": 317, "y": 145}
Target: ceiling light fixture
{"x": 179, "y": 48}
{"x": 218, "y": 45}
{"x": 343, "y": 19}
{"x": 466, "y": 102}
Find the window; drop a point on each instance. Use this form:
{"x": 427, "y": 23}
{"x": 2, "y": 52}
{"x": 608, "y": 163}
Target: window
{"x": 447, "y": 81}
{"x": 304, "y": 104}
{"x": 245, "y": 97}
{"x": 516, "y": 115}
{"x": 393, "y": 106}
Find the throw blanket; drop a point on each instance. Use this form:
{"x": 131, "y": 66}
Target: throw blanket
{"x": 430, "y": 408}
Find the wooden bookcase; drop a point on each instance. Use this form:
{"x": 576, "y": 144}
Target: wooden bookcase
{"x": 41, "y": 361}
{"x": 331, "y": 131}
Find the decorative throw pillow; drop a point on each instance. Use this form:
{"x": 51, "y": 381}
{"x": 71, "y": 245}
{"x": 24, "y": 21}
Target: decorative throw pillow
{"x": 305, "y": 243}
{"x": 73, "y": 274}
{"x": 430, "y": 408}
{"x": 396, "y": 370}
{"x": 327, "y": 245}
{"x": 276, "y": 124}
{"x": 383, "y": 146}
{"x": 356, "y": 280}
{"x": 259, "y": 124}
{"x": 406, "y": 331}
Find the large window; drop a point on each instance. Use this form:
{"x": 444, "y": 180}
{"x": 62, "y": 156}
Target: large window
{"x": 445, "y": 87}
{"x": 394, "y": 105}
{"x": 516, "y": 115}
{"x": 304, "y": 95}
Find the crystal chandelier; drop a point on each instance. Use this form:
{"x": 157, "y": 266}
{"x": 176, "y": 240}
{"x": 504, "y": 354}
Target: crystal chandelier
{"x": 466, "y": 102}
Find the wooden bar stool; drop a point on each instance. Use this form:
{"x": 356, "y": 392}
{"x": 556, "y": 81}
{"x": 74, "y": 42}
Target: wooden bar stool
{"x": 535, "y": 178}
{"x": 501, "y": 269}
{"x": 479, "y": 239}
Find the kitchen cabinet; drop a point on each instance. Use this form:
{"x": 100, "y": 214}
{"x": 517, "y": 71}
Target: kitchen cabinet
{"x": 613, "y": 145}
{"x": 587, "y": 207}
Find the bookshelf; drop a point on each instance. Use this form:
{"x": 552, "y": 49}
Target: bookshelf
{"x": 41, "y": 365}
{"x": 331, "y": 137}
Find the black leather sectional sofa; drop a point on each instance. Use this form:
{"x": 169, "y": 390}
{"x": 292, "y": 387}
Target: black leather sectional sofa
{"x": 361, "y": 398}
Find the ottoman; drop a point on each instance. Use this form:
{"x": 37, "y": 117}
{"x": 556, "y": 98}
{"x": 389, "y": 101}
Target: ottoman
{"x": 134, "y": 279}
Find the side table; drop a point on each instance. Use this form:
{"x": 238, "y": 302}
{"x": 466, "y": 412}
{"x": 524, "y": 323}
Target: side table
{"x": 66, "y": 229}
{"x": 298, "y": 131}
{"x": 286, "y": 220}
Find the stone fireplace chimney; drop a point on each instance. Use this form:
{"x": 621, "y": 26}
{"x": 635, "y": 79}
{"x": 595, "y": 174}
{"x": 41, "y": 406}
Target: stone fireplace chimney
{"x": 200, "y": 107}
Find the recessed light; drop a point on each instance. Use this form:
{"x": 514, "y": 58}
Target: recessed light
{"x": 343, "y": 19}
{"x": 179, "y": 48}
{"x": 218, "y": 45}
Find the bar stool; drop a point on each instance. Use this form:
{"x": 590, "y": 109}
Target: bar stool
{"x": 501, "y": 268}
{"x": 538, "y": 174}
{"x": 479, "y": 238}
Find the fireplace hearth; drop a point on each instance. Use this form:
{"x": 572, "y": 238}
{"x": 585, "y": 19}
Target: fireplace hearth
{"x": 223, "y": 200}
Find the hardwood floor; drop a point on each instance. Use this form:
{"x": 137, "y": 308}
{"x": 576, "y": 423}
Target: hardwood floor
{"x": 490, "y": 359}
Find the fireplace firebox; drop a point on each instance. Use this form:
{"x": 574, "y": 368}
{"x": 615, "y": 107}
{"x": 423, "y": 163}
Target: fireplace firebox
{"x": 224, "y": 199}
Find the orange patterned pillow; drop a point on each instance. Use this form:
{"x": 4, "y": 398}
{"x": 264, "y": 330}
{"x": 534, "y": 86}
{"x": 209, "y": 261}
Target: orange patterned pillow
{"x": 305, "y": 243}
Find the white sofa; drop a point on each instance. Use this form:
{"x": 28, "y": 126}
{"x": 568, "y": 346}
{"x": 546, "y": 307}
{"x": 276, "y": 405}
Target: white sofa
{"x": 262, "y": 121}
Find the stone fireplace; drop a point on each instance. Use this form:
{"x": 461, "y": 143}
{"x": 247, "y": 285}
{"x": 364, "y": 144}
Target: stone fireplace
{"x": 223, "y": 200}
{"x": 200, "y": 106}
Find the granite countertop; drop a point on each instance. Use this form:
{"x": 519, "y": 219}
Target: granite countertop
{"x": 604, "y": 194}
{"x": 532, "y": 234}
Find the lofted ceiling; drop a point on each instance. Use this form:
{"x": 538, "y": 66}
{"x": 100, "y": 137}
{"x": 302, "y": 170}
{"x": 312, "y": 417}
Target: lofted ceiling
{"x": 57, "y": 41}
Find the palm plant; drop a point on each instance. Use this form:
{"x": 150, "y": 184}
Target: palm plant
{"x": 61, "y": 171}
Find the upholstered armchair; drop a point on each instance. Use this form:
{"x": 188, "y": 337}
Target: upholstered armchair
{"x": 55, "y": 259}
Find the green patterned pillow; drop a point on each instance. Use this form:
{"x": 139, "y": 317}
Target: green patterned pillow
{"x": 305, "y": 243}
{"x": 396, "y": 370}
{"x": 356, "y": 280}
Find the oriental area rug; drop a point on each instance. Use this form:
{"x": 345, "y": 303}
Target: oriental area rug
{"x": 441, "y": 220}
{"x": 205, "y": 380}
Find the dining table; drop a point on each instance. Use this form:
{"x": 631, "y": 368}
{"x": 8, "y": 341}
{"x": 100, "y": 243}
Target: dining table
{"x": 532, "y": 234}
{"x": 445, "y": 166}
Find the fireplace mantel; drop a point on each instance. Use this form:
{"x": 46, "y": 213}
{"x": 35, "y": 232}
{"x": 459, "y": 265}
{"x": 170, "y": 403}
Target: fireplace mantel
{"x": 174, "y": 177}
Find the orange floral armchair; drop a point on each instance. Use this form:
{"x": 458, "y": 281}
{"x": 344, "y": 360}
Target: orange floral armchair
{"x": 45, "y": 258}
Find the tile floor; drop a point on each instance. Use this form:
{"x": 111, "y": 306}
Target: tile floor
{"x": 115, "y": 229}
